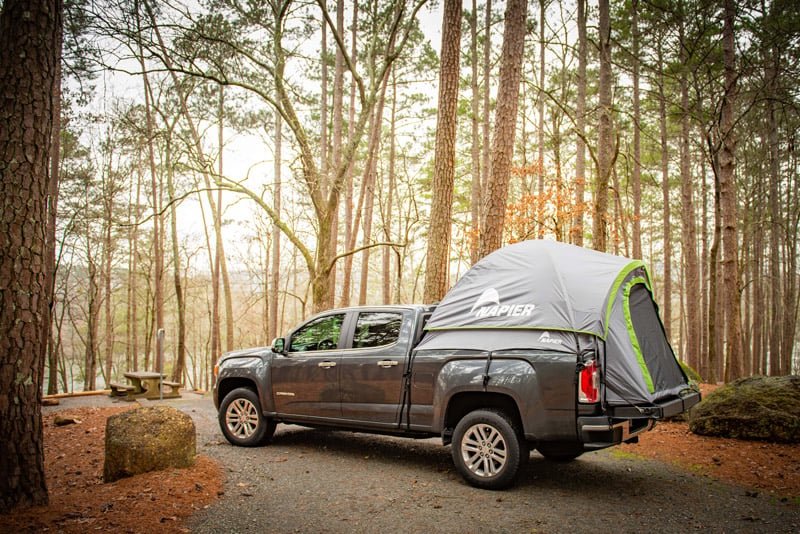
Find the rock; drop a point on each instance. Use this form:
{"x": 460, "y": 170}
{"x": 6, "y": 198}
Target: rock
{"x": 755, "y": 408}
{"x": 148, "y": 439}
{"x": 63, "y": 420}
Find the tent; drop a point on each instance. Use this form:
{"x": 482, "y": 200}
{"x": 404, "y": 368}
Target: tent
{"x": 550, "y": 296}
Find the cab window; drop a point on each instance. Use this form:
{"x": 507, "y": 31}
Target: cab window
{"x": 377, "y": 329}
{"x": 319, "y": 334}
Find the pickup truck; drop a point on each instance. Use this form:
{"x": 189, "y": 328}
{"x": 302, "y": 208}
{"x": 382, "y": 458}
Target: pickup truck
{"x": 493, "y": 394}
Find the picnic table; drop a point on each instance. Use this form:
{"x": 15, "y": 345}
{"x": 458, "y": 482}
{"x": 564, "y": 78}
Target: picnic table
{"x": 146, "y": 384}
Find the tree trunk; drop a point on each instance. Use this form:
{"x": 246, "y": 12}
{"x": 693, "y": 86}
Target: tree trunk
{"x": 437, "y": 263}
{"x": 485, "y": 159}
{"x": 180, "y": 357}
{"x": 734, "y": 354}
{"x": 349, "y": 230}
{"x": 604, "y": 133}
{"x": 667, "y": 293}
{"x": 338, "y": 123}
{"x": 29, "y": 36}
{"x": 714, "y": 312}
{"x": 493, "y": 215}
{"x": 276, "y": 233}
{"x": 776, "y": 297}
{"x": 158, "y": 260}
{"x": 389, "y": 207}
{"x": 637, "y": 153}
{"x": 475, "y": 149}
{"x": 108, "y": 255}
{"x": 688, "y": 222}
{"x": 540, "y": 134}
{"x": 580, "y": 125}
{"x": 52, "y": 211}
{"x": 368, "y": 191}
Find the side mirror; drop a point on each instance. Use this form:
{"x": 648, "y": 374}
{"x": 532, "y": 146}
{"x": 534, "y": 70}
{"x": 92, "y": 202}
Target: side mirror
{"x": 279, "y": 345}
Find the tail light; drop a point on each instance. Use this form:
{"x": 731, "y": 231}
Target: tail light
{"x": 589, "y": 383}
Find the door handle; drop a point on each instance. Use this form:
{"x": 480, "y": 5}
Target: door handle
{"x": 387, "y": 363}
{"x": 327, "y": 364}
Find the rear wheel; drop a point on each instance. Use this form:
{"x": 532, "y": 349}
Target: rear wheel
{"x": 487, "y": 449}
{"x": 241, "y": 420}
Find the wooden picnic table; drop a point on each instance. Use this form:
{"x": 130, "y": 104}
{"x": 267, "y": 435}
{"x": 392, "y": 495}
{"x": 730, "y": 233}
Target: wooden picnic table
{"x": 146, "y": 384}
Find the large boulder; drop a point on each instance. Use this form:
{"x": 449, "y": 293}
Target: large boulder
{"x": 148, "y": 439}
{"x": 755, "y": 408}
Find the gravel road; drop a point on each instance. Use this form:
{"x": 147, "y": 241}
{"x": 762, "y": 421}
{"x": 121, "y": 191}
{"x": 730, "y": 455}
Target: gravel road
{"x": 324, "y": 481}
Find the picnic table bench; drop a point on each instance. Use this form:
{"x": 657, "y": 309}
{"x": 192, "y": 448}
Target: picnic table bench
{"x": 145, "y": 384}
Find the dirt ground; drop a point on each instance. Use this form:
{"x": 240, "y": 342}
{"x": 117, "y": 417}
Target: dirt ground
{"x": 162, "y": 501}
{"x": 80, "y": 502}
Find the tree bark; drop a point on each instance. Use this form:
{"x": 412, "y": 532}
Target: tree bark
{"x": 580, "y": 125}
{"x": 29, "y": 35}
{"x": 52, "y": 211}
{"x": 180, "y": 357}
{"x": 734, "y": 354}
{"x": 540, "y": 135}
{"x": 688, "y": 221}
{"x": 667, "y": 235}
{"x": 485, "y": 159}
{"x": 604, "y": 132}
{"x": 475, "y": 149}
{"x": 276, "y": 233}
{"x": 637, "y": 152}
{"x": 349, "y": 230}
{"x": 493, "y": 215}
{"x": 776, "y": 297}
{"x": 437, "y": 263}
{"x": 158, "y": 259}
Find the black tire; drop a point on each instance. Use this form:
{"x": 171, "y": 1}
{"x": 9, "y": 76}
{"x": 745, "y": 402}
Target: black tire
{"x": 559, "y": 452}
{"x": 488, "y": 449}
{"x": 241, "y": 420}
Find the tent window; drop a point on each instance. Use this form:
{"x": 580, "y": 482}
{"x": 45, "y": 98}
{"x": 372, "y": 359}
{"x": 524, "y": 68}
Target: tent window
{"x": 653, "y": 351}
{"x": 636, "y": 286}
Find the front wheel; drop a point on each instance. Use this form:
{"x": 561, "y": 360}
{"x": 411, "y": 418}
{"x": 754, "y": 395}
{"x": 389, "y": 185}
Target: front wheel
{"x": 241, "y": 420}
{"x": 487, "y": 449}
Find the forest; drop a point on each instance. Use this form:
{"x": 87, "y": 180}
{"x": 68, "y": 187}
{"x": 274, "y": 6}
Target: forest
{"x": 225, "y": 168}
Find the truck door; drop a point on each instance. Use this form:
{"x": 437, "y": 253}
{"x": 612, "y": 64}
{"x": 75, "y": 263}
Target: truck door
{"x": 371, "y": 370}
{"x": 305, "y": 381}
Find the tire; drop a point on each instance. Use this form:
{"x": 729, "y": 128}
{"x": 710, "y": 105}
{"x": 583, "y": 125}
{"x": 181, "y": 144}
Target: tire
{"x": 559, "y": 452}
{"x": 488, "y": 449}
{"x": 241, "y": 420}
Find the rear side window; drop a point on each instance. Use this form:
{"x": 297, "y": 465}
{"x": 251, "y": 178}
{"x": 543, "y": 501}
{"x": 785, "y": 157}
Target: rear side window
{"x": 320, "y": 334}
{"x": 377, "y": 329}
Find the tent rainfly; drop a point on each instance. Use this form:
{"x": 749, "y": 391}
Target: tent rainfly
{"x": 545, "y": 295}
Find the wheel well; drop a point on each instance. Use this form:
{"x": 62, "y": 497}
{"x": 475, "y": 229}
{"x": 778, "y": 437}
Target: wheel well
{"x": 229, "y": 384}
{"x": 463, "y": 403}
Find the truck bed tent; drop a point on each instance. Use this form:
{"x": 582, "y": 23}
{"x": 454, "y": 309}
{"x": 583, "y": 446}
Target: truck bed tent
{"x": 545, "y": 295}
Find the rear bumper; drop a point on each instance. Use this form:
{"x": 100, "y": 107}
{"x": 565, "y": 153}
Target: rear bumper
{"x": 602, "y": 432}
{"x": 624, "y": 423}
{"x": 660, "y": 410}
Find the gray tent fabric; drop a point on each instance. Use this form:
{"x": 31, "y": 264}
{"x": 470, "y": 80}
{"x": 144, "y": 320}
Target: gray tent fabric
{"x": 546, "y": 295}
{"x": 534, "y": 284}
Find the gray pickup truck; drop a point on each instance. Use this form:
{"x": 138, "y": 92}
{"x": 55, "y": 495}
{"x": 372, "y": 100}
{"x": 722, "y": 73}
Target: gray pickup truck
{"x": 495, "y": 369}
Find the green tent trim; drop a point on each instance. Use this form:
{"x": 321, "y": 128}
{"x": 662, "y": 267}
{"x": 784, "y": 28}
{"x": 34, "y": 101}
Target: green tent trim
{"x": 632, "y": 333}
